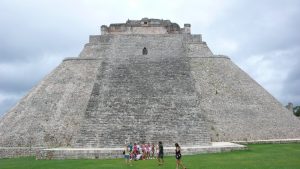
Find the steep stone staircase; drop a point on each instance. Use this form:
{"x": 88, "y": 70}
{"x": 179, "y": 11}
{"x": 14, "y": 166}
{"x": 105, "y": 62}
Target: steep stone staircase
{"x": 144, "y": 98}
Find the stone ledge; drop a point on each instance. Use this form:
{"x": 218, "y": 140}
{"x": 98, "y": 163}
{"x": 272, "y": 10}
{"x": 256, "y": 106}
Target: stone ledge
{"x": 212, "y": 57}
{"x": 108, "y": 153}
{"x": 76, "y": 58}
{"x": 13, "y": 152}
{"x": 270, "y": 141}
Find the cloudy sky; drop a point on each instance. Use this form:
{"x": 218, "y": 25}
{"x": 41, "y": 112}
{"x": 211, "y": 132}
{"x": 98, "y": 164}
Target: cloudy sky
{"x": 260, "y": 36}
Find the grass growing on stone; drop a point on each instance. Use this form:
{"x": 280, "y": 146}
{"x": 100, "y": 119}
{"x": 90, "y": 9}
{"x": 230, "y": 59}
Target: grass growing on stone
{"x": 264, "y": 156}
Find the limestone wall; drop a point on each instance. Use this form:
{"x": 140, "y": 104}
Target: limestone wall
{"x": 50, "y": 114}
{"x": 198, "y": 50}
{"x": 238, "y": 108}
{"x": 139, "y": 30}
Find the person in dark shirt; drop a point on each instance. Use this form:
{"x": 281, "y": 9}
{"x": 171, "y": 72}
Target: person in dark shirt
{"x": 160, "y": 153}
{"x": 178, "y": 157}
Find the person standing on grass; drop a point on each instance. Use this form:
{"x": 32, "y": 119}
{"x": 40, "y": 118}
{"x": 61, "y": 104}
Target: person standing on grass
{"x": 152, "y": 151}
{"x": 135, "y": 151}
{"x": 130, "y": 147}
{"x": 178, "y": 157}
{"x": 148, "y": 150}
{"x": 126, "y": 155}
{"x": 157, "y": 151}
{"x": 130, "y": 151}
{"x": 160, "y": 153}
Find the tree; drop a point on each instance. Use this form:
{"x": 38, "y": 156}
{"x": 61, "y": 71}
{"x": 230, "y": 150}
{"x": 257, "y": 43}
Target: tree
{"x": 296, "y": 111}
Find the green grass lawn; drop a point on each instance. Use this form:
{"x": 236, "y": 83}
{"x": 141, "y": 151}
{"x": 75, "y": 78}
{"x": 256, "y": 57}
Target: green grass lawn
{"x": 264, "y": 156}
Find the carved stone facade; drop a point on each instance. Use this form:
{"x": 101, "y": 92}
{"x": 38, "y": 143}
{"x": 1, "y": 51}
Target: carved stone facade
{"x": 145, "y": 26}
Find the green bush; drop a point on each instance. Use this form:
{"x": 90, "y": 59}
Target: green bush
{"x": 297, "y": 111}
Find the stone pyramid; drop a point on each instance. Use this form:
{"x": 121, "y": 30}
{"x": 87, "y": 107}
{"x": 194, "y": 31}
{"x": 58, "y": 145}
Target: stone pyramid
{"x": 142, "y": 81}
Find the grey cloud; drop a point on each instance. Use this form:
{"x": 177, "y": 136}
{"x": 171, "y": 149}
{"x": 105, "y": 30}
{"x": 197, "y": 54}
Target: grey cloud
{"x": 263, "y": 28}
{"x": 20, "y": 77}
{"x": 28, "y": 31}
{"x": 16, "y": 49}
{"x": 259, "y": 26}
{"x": 6, "y": 104}
{"x": 291, "y": 91}
{"x": 17, "y": 84}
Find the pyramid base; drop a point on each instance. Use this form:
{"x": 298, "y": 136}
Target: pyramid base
{"x": 15, "y": 152}
{"x": 109, "y": 153}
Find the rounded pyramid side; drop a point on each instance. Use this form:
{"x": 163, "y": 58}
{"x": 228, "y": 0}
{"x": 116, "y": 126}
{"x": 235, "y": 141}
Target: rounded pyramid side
{"x": 50, "y": 114}
{"x": 237, "y": 107}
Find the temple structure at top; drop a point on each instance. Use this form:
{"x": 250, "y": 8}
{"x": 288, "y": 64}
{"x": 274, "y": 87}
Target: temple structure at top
{"x": 146, "y": 26}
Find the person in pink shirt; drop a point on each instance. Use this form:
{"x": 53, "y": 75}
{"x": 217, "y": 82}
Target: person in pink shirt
{"x": 144, "y": 151}
{"x": 135, "y": 151}
{"x": 148, "y": 147}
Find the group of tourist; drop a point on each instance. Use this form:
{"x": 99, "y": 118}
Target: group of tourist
{"x": 147, "y": 151}
{"x": 141, "y": 152}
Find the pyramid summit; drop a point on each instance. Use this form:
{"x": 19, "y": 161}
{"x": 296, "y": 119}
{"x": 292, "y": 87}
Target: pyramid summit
{"x": 145, "y": 26}
{"x": 144, "y": 81}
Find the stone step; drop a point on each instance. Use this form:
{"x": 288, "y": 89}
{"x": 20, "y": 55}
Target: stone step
{"x": 136, "y": 93}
